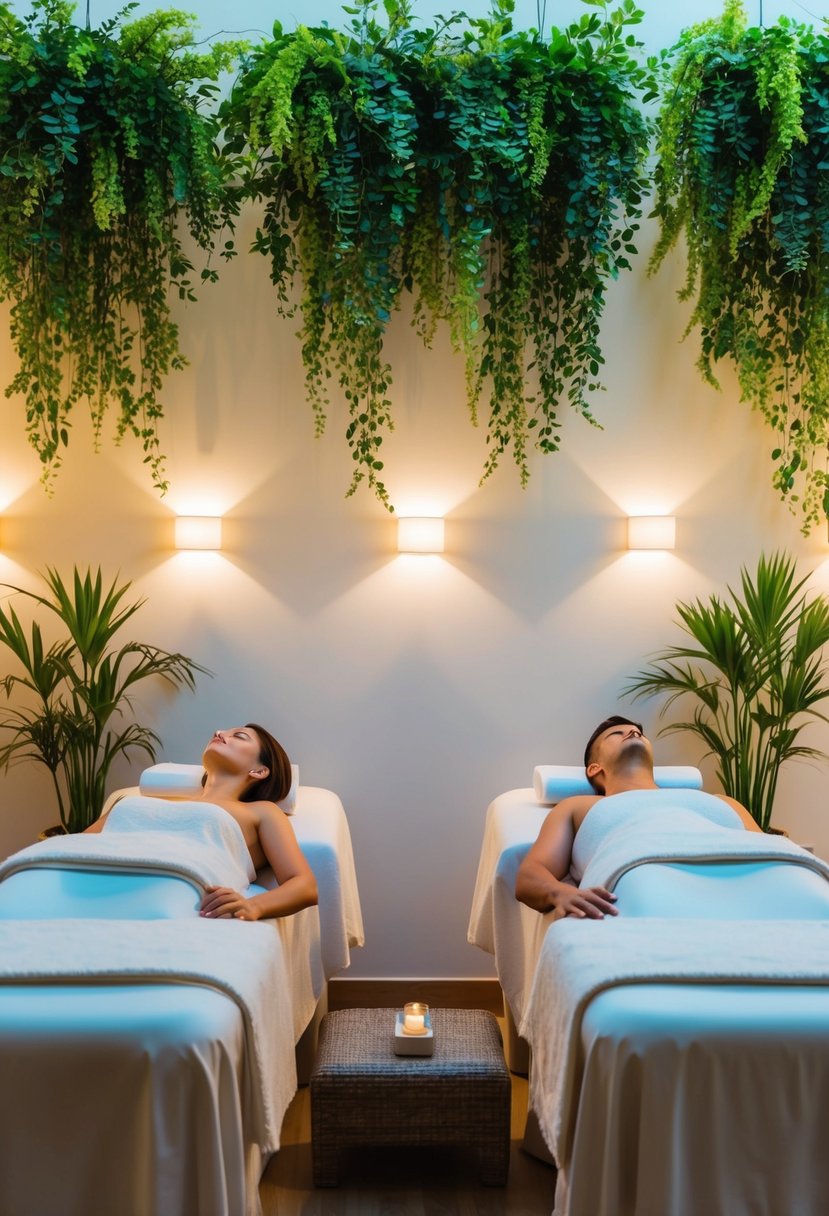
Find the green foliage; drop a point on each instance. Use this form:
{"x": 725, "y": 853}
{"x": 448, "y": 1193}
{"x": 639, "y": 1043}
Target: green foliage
{"x": 77, "y": 690}
{"x": 494, "y": 174}
{"x": 743, "y": 152}
{"x": 755, "y": 670}
{"x": 103, "y": 147}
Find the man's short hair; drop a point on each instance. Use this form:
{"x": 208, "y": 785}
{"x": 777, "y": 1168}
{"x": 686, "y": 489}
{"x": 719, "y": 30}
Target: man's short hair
{"x": 613, "y": 720}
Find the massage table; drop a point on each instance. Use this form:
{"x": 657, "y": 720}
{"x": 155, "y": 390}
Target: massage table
{"x": 147, "y": 1058}
{"x": 679, "y": 1060}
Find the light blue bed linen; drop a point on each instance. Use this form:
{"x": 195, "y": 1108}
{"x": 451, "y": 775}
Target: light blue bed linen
{"x": 723, "y": 891}
{"x": 677, "y": 1074}
{"x": 141, "y": 1053}
{"x": 51, "y": 893}
{"x": 702, "y": 1099}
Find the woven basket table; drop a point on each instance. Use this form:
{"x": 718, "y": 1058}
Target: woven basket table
{"x": 364, "y": 1094}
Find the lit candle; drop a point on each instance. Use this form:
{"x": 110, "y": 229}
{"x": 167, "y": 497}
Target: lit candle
{"x": 414, "y": 1017}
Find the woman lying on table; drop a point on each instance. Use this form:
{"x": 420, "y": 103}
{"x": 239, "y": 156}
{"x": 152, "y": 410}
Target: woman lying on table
{"x": 246, "y": 773}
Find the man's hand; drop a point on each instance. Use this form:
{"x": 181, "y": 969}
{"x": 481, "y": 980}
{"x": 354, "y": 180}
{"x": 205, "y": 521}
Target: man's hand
{"x": 593, "y": 903}
{"x": 224, "y": 902}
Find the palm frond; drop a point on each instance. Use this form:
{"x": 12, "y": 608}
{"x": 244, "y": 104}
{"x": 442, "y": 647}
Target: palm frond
{"x": 77, "y": 688}
{"x": 755, "y": 668}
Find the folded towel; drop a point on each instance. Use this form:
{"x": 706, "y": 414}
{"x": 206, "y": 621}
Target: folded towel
{"x": 243, "y": 960}
{"x": 553, "y": 782}
{"x": 639, "y": 826}
{"x": 581, "y": 958}
{"x": 168, "y": 780}
{"x": 194, "y": 840}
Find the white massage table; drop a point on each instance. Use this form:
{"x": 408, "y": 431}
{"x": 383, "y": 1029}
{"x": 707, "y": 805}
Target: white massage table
{"x": 132, "y": 1095}
{"x": 690, "y": 1097}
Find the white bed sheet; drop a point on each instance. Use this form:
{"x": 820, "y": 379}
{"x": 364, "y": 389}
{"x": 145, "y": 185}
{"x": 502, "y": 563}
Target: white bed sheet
{"x": 132, "y": 1097}
{"x": 126, "y": 1100}
{"x": 498, "y": 923}
{"x": 702, "y": 1100}
{"x": 693, "y": 1099}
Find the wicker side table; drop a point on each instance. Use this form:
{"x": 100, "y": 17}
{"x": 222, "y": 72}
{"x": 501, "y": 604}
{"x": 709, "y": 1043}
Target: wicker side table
{"x": 363, "y": 1094}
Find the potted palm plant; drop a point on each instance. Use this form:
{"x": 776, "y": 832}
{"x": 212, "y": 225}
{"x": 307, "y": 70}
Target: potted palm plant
{"x": 77, "y": 691}
{"x": 755, "y": 671}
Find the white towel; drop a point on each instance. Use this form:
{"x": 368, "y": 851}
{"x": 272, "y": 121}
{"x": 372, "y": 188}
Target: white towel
{"x": 581, "y": 958}
{"x": 167, "y": 780}
{"x": 627, "y": 830}
{"x": 244, "y": 960}
{"x": 198, "y": 841}
{"x": 554, "y": 782}
{"x": 498, "y": 923}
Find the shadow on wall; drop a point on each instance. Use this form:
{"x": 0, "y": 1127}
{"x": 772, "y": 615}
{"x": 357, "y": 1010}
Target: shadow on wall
{"x": 304, "y": 549}
{"x": 534, "y": 548}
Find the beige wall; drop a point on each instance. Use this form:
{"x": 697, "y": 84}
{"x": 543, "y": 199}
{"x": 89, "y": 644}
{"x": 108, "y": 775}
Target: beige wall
{"x": 418, "y": 689}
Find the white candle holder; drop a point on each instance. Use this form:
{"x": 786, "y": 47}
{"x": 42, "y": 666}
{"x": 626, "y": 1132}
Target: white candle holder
{"x": 413, "y": 1030}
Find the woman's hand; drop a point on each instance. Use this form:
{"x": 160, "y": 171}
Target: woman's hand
{"x": 584, "y": 902}
{"x": 224, "y": 902}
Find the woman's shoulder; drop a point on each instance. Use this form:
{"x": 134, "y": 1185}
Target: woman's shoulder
{"x": 264, "y": 809}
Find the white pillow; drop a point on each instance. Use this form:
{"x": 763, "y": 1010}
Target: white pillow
{"x": 180, "y": 780}
{"x": 553, "y": 782}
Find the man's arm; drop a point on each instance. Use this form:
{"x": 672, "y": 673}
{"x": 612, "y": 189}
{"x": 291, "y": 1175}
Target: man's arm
{"x": 540, "y": 881}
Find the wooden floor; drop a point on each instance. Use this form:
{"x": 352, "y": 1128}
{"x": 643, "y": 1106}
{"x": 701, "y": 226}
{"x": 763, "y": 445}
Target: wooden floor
{"x": 403, "y": 1182}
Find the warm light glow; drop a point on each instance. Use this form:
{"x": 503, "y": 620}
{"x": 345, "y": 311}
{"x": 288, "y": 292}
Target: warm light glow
{"x": 652, "y": 532}
{"x": 414, "y": 1017}
{"x": 198, "y": 532}
{"x": 420, "y": 535}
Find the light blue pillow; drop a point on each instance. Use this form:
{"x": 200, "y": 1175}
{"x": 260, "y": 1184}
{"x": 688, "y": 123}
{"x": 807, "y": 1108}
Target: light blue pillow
{"x": 552, "y": 782}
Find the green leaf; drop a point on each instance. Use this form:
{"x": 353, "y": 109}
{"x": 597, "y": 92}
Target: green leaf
{"x": 755, "y": 675}
{"x": 79, "y": 688}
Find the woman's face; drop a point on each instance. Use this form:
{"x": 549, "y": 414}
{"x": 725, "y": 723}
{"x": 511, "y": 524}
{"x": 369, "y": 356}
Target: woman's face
{"x": 237, "y": 748}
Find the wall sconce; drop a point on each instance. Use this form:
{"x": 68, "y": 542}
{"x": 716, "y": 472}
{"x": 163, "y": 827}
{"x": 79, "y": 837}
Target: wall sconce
{"x": 651, "y": 532}
{"x": 420, "y": 535}
{"x": 199, "y": 532}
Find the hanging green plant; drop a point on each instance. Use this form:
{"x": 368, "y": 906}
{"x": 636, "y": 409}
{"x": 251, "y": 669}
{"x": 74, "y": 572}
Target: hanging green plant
{"x": 331, "y": 120}
{"x": 495, "y": 174}
{"x": 537, "y": 202}
{"x": 743, "y": 154}
{"x": 104, "y": 146}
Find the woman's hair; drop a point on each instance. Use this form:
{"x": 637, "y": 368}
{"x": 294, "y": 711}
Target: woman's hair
{"x": 277, "y": 784}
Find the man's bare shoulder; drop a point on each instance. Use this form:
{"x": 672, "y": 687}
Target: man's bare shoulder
{"x": 749, "y": 822}
{"x": 574, "y": 808}
{"x": 580, "y": 802}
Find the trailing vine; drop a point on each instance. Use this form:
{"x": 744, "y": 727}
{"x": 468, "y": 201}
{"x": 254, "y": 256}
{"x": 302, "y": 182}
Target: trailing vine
{"x": 103, "y": 147}
{"x": 741, "y": 174}
{"x": 497, "y": 175}
{"x": 558, "y": 194}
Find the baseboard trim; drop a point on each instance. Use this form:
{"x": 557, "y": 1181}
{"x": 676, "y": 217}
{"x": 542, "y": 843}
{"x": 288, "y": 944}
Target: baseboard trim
{"x": 448, "y": 994}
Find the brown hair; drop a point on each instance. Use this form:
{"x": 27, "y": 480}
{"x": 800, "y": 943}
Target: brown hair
{"x": 277, "y": 784}
{"x": 613, "y": 720}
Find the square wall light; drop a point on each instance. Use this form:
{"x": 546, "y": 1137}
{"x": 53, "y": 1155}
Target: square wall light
{"x": 420, "y": 534}
{"x": 651, "y": 532}
{"x": 199, "y": 532}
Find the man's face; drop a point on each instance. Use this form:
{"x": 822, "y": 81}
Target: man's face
{"x": 618, "y": 742}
